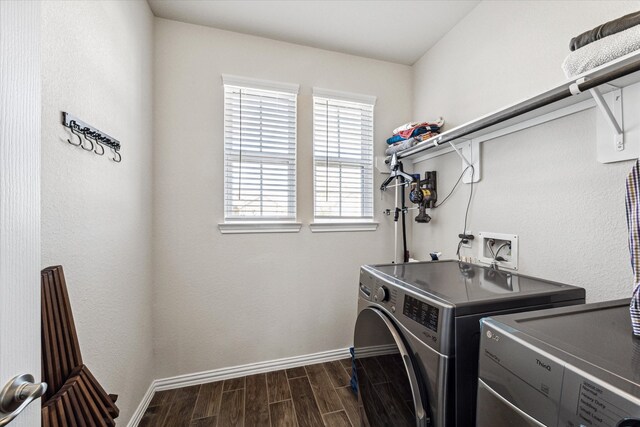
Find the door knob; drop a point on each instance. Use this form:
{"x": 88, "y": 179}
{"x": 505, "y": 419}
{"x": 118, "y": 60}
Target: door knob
{"x": 16, "y": 395}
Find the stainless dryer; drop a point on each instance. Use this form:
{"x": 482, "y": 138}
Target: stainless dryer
{"x": 566, "y": 367}
{"x": 417, "y": 336}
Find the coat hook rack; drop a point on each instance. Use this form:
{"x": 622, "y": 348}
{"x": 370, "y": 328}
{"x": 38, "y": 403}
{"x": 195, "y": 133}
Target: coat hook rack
{"x": 96, "y": 139}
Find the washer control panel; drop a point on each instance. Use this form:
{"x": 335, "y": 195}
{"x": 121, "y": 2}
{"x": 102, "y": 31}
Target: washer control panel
{"x": 590, "y": 403}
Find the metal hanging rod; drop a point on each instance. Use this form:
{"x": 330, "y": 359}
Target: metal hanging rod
{"x": 96, "y": 138}
{"x": 592, "y": 80}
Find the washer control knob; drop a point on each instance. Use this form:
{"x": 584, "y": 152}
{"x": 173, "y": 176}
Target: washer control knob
{"x": 382, "y": 294}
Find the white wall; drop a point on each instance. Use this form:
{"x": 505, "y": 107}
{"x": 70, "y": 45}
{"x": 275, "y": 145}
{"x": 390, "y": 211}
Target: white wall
{"x": 544, "y": 183}
{"x": 96, "y": 215}
{"x": 226, "y": 300}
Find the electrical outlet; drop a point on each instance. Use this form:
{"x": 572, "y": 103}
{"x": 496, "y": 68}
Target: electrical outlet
{"x": 495, "y": 246}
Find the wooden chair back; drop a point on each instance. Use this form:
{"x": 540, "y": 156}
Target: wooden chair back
{"x": 60, "y": 347}
{"x": 74, "y": 396}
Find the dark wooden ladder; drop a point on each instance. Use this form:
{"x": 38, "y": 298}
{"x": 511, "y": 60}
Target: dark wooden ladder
{"x": 74, "y": 397}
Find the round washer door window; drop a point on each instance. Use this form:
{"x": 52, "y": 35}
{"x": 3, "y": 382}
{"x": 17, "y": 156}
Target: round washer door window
{"x": 388, "y": 387}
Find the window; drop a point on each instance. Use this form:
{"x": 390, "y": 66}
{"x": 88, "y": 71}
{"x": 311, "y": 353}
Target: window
{"x": 259, "y": 151}
{"x": 342, "y": 157}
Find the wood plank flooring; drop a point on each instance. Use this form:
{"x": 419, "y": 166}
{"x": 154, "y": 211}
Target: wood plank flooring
{"x": 309, "y": 396}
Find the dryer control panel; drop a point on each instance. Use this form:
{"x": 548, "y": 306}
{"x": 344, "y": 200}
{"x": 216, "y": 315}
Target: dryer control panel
{"x": 421, "y": 312}
{"x": 378, "y": 290}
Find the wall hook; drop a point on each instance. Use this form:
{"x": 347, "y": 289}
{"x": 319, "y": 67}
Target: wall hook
{"x": 92, "y": 137}
{"x": 117, "y": 157}
{"x": 86, "y": 132}
{"x": 98, "y": 142}
{"x": 71, "y": 127}
{"x": 96, "y": 138}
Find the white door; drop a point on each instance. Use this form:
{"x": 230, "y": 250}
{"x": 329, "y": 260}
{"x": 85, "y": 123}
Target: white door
{"x": 20, "y": 200}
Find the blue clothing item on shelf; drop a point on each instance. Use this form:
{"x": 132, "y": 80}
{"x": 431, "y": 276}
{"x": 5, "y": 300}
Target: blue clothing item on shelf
{"x": 424, "y": 129}
{"x": 394, "y": 139}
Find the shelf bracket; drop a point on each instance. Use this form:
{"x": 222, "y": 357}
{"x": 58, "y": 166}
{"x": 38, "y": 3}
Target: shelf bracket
{"x": 613, "y": 118}
{"x": 470, "y": 155}
{"x": 465, "y": 162}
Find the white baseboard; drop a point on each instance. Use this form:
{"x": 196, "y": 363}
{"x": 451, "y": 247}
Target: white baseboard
{"x": 232, "y": 372}
{"x": 142, "y": 407}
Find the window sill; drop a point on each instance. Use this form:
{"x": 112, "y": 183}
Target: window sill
{"x": 329, "y": 227}
{"x": 259, "y": 227}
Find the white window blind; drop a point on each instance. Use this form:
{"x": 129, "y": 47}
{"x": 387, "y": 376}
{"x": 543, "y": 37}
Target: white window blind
{"x": 342, "y": 159}
{"x": 259, "y": 154}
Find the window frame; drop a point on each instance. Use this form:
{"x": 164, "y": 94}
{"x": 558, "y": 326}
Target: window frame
{"x": 258, "y": 224}
{"x": 321, "y": 224}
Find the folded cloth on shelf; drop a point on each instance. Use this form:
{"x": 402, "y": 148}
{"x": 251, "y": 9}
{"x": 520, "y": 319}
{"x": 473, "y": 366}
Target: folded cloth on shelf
{"x": 419, "y": 130}
{"x": 405, "y": 127}
{"x": 604, "y": 30}
{"x": 412, "y": 125}
{"x": 408, "y": 143}
{"x": 414, "y": 133}
{"x": 602, "y": 51}
{"x": 424, "y": 129}
{"x": 425, "y": 136}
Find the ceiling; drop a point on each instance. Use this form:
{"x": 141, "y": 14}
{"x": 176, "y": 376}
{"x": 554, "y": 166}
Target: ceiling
{"x": 397, "y": 31}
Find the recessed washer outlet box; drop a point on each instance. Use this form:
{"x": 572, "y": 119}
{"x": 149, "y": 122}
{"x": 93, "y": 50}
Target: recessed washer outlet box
{"x": 493, "y": 245}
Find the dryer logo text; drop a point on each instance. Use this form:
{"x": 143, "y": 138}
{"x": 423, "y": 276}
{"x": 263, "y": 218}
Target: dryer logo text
{"x": 493, "y": 336}
{"x": 544, "y": 365}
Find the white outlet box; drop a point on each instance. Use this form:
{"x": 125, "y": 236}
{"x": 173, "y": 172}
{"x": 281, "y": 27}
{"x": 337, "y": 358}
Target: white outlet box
{"x": 510, "y": 254}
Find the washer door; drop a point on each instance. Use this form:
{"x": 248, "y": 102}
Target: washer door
{"x": 388, "y": 387}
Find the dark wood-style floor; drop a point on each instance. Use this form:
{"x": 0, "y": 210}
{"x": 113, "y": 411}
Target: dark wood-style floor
{"x": 308, "y": 396}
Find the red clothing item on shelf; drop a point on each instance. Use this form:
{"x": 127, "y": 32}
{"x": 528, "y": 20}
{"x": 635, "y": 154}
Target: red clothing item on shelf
{"x": 407, "y": 133}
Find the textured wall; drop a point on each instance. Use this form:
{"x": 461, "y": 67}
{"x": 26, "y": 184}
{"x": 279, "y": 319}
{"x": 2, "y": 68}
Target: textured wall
{"x": 226, "y": 300}
{"x": 96, "y": 215}
{"x": 544, "y": 183}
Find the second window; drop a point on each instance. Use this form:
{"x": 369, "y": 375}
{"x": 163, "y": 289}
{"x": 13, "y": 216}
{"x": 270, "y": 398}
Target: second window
{"x": 342, "y": 158}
